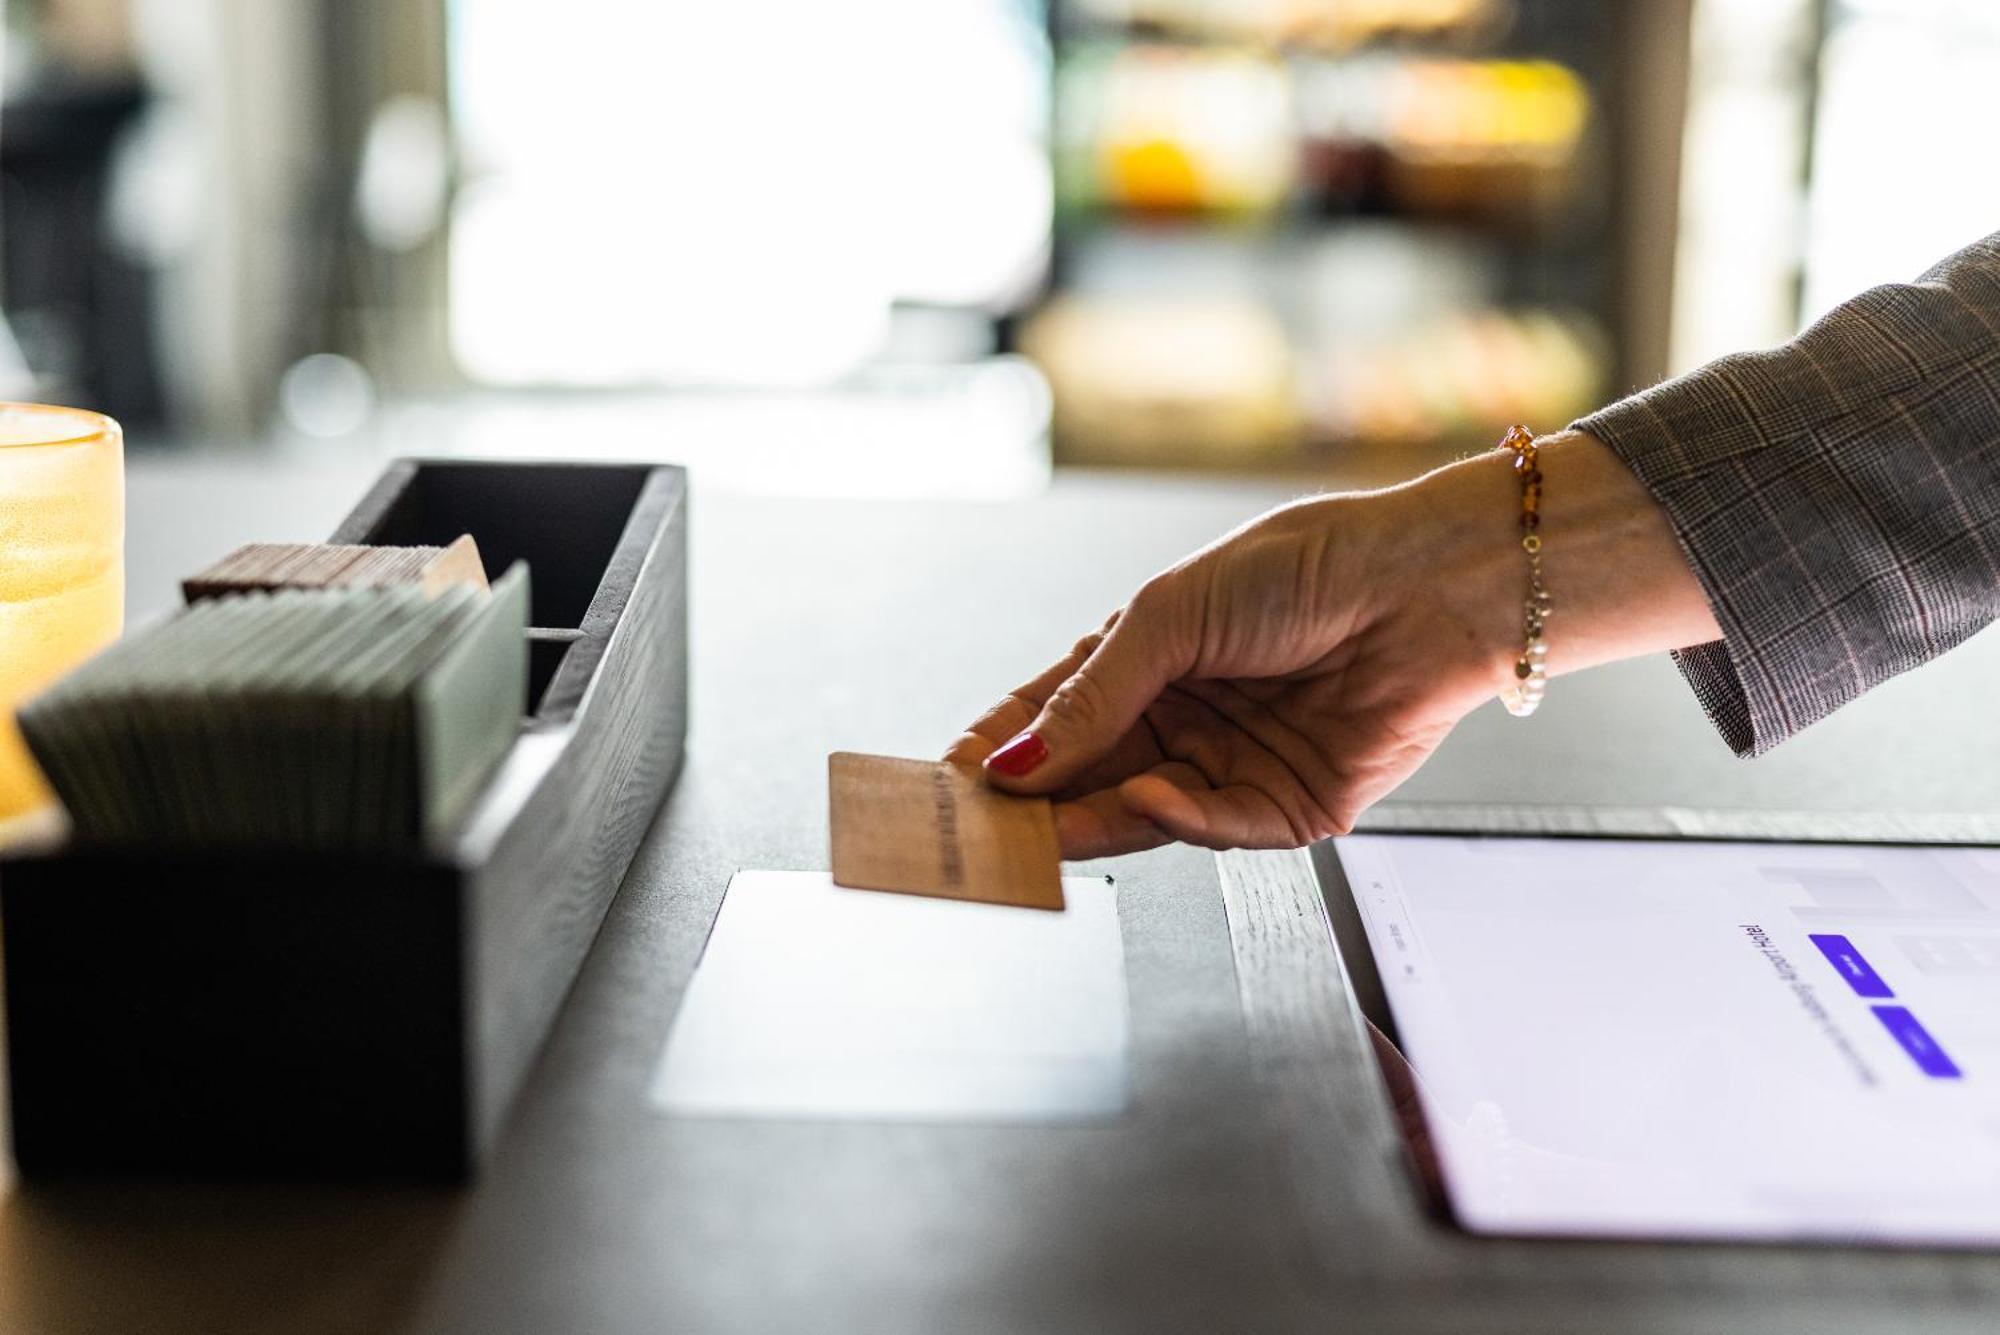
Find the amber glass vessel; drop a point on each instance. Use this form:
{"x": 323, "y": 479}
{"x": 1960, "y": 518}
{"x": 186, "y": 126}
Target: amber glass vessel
{"x": 62, "y": 566}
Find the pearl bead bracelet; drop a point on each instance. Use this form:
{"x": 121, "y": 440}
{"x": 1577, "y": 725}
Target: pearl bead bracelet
{"x": 1531, "y": 669}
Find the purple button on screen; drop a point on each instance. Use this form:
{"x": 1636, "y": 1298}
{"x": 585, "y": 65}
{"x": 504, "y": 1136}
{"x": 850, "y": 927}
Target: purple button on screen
{"x": 1917, "y": 1041}
{"x": 1847, "y": 962}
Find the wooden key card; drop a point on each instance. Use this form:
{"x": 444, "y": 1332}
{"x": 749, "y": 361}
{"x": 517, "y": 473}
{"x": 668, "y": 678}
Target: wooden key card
{"x": 924, "y": 827}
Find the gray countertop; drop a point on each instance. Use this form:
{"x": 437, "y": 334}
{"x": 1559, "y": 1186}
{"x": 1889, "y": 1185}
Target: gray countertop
{"x": 884, "y": 626}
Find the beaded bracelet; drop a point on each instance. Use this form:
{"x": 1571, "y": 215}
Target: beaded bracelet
{"x": 1531, "y": 669}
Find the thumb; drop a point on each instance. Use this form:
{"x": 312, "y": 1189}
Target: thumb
{"x": 1084, "y": 718}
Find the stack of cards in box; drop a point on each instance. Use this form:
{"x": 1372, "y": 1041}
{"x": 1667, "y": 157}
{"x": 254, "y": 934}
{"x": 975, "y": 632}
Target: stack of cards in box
{"x": 303, "y": 565}
{"x": 360, "y": 719}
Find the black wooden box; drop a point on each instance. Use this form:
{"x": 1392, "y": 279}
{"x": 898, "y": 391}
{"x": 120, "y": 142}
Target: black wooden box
{"x": 287, "y": 1016}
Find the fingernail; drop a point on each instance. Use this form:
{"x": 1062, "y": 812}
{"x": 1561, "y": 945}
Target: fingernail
{"x": 1019, "y": 756}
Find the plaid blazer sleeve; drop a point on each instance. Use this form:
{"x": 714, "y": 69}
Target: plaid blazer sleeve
{"x": 1838, "y": 497}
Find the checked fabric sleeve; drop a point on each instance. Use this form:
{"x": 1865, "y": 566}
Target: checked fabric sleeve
{"x": 1838, "y": 497}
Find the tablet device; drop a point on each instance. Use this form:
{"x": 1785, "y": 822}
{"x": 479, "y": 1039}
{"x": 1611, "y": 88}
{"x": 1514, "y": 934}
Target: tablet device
{"x": 1665, "y": 1038}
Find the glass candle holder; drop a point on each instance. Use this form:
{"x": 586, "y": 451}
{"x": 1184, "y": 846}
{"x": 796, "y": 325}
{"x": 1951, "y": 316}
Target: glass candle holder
{"x": 62, "y": 567}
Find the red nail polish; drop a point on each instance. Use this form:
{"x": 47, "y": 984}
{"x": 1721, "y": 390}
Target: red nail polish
{"x": 1019, "y": 756}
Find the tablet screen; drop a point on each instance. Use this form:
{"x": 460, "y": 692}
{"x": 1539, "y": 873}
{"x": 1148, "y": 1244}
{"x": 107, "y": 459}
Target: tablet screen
{"x": 1668, "y": 1038}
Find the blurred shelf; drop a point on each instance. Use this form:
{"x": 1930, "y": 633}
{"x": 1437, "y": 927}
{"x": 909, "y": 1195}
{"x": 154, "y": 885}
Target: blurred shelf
{"x": 1347, "y": 465}
{"x": 1327, "y": 26}
{"x": 1297, "y": 224}
{"x": 1222, "y": 380}
{"x": 1293, "y": 234}
{"x": 1227, "y": 133}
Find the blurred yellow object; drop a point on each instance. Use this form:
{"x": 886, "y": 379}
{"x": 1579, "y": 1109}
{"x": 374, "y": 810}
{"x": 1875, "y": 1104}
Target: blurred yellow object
{"x": 1153, "y": 174}
{"x": 1483, "y": 110}
{"x": 1177, "y": 130}
{"x": 62, "y": 566}
{"x": 1489, "y": 137}
{"x": 1167, "y": 381}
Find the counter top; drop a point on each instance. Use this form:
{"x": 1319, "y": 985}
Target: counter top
{"x": 1253, "y": 1186}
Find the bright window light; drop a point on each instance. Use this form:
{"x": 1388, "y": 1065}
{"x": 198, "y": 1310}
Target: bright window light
{"x": 683, "y": 192}
{"x": 1902, "y": 162}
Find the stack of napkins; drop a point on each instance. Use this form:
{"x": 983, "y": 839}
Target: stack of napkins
{"x": 361, "y": 719}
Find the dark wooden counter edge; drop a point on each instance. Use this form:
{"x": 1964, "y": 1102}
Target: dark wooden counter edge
{"x": 1372, "y": 1242}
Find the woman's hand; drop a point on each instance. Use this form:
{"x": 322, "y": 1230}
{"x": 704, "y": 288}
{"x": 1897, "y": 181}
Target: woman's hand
{"x": 1261, "y": 693}
{"x": 1265, "y": 691}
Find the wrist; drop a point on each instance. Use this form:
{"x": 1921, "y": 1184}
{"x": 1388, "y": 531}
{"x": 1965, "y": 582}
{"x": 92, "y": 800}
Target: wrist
{"x": 1461, "y": 539}
{"x": 1619, "y": 582}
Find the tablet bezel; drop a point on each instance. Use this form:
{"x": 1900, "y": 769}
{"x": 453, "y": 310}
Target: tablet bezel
{"x": 1350, "y": 939}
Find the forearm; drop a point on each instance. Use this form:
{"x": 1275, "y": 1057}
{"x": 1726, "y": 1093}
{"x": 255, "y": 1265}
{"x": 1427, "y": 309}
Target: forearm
{"x": 1619, "y": 582}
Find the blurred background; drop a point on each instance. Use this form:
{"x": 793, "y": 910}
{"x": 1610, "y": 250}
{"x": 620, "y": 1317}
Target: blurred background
{"x": 937, "y": 247}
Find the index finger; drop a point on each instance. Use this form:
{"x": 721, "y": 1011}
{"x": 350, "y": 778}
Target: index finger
{"x": 1018, "y": 708}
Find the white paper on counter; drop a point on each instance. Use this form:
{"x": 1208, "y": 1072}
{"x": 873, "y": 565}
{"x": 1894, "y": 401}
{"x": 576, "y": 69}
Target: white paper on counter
{"x": 816, "y": 1001}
